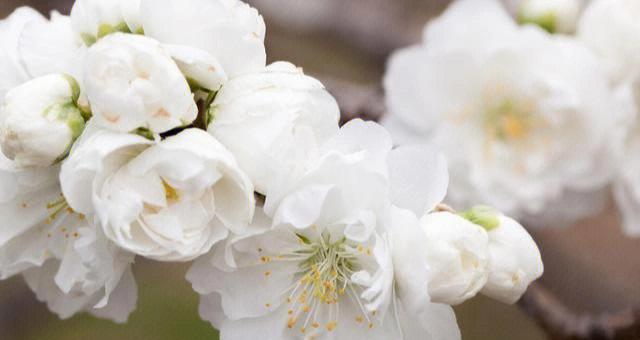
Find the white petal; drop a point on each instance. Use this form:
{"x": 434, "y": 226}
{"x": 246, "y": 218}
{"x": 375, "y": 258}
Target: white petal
{"x": 515, "y": 261}
{"x": 97, "y": 151}
{"x": 198, "y": 66}
{"x": 231, "y": 31}
{"x": 419, "y": 178}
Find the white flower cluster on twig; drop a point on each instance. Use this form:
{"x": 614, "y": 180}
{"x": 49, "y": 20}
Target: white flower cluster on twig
{"x": 149, "y": 128}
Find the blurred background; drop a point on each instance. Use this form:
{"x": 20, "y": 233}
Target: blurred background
{"x": 591, "y": 285}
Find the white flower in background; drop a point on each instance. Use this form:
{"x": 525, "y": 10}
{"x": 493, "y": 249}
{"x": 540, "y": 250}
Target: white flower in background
{"x": 67, "y": 261}
{"x": 515, "y": 260}
{"x": 131, "y": 82}
{"x": 169, "y": 201}
{"x": 39, "y": 120}
{"x": 230, "y": 31}
{"x": 33, "y": 46}
{"x": 456, "y": 251}
{"x": 318, "y": 263}
{"x": 273, "y": 121}
{"x": 612, "y": 30}
{"x": 555, "y": 16}
{"x": 95, "y": 19}
{"x": 524, "y": 121}
{"x": 11, "y": 64}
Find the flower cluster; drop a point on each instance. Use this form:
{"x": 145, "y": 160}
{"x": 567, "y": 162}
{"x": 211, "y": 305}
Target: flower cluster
{"x": 528, "y": 120}
{"x": 154, "y": 128}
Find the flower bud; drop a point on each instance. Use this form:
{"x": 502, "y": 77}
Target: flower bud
{"x": 39, "y": 120}
{"x": 131, "y": 82}
{"x": 555, "y": 16}
{"x": 94, "y": 19}
{"x": 514, "y": 263}
{"x": 457, "y": 256}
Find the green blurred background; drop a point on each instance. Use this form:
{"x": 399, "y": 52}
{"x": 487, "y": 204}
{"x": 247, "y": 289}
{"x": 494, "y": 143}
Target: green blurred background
{"x": 167, "y": 307}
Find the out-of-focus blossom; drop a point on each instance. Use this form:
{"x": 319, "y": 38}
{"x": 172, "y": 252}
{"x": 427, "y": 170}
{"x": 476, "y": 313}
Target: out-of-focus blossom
{"x": 40, "y": 120}
{"x": 170, "y": 201}
{"x": 273, "y": 120}
{"x": 524, "y": 118}
{"x": 131, "y": 82}
{"x": 612, "y": 30}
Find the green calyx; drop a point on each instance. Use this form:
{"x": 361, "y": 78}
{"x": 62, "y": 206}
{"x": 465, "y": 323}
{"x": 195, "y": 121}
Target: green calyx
{"x": 103, "y": 31}
{"x": 144, "y": 132}
{"x": 70, "y": 114}
{"x": 67, "y": 113}
{"x": 210, "y": 110}
{"x": 486, "y": 217}
{"x": 547, "y": 21}
{"x": 75, "y": 95}
{"x": 75, "y": 88}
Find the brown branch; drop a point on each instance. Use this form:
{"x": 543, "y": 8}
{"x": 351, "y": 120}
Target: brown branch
{"x": 561, "y": 323}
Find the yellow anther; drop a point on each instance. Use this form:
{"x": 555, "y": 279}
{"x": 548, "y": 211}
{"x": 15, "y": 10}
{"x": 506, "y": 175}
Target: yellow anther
{"x": 359, "y": 319}
{"x": 291, "y": 322}
{"x": 331, "y": 326}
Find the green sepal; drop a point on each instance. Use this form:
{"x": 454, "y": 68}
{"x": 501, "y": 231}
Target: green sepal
{"x": 547, "y": 21}
{"x": 144, "y": 132}
{"x": 486, "y": 217}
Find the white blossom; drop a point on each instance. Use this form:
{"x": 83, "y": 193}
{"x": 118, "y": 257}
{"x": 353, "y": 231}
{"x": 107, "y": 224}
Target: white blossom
{"x": 508, "y": 106}
{"x": 457, "y": 254}
{"x": 170, "y": 201}
{"x": 318, "y": 262}
{"x": 67, "y": 261}
{"x": 230, "y": 31}
{"x": 612, "y": 30}
{"x": 273, "y": 120}
{"x": 39, "y": 120}
{"x": 515, "y": 261}
{"x": 131, "y": 82}
{"x": 33, "y": 46}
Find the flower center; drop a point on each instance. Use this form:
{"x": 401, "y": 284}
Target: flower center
{"x": 59, "y": 211}
{"x": 323, "y": 279}
{"x": 171, "y": 194}
{"x": 509, "y": 120}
